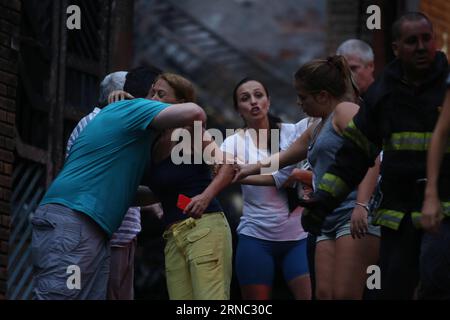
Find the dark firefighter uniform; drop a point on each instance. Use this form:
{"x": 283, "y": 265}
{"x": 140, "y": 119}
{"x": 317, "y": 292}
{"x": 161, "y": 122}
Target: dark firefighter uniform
{"x": 398, "y": 118}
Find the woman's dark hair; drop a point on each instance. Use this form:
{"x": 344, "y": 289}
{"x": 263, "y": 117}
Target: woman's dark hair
{"x": 273, "y": 120}
{"x": 332, "y": 75}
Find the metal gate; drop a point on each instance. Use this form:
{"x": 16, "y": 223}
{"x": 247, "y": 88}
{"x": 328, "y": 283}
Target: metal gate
{"x": 27, "y": 178}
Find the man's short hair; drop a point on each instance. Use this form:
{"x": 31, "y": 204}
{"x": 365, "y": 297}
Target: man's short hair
{"x": 139, "y": 80}
{"x": 358, "y": 48}
{"x": 113, "y": 81}
{"x": 409, "y": 16}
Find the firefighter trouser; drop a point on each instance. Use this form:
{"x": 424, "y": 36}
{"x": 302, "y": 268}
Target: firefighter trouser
{"x": 399, "y": 260}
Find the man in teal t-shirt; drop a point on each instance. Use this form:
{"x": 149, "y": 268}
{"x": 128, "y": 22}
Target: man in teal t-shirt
{"x": 87, "y": 201}
{"x": 104, "y": 167}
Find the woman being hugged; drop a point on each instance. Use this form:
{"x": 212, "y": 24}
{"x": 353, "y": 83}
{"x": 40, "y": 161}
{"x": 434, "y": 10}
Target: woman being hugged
{"x": 198, "y": 250}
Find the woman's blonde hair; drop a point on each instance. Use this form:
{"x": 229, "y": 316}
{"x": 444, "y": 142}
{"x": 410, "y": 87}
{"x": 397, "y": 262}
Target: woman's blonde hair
{"x": 183, "y": 88}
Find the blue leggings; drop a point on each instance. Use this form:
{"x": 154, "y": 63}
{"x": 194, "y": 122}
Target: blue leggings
{"x": 256, "y": 260}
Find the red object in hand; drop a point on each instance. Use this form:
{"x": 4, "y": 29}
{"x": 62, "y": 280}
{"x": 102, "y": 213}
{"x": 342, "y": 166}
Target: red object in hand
{"x": 183, "y": 201}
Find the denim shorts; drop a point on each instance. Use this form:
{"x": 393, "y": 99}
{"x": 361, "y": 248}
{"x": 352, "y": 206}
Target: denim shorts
{"x": 343, "y": 229}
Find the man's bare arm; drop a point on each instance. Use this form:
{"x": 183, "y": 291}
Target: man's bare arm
{"x": 177, "y": 116}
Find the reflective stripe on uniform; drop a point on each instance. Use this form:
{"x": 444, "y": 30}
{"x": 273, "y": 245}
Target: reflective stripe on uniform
{"x": 415, "y": 217}
{"x": 356, "y": 136}
{"x": 392, "y": 218}
{"x": 388, "y": 218}
{"x": 333, "y": 185}
{"x": 446, "y": 208}
{"x": 410, "y": 141}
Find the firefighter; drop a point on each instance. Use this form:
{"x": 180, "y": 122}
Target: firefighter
{"x": 399, "y": 114}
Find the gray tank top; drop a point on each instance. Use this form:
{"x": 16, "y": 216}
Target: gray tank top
{"x": 321, "y": 154}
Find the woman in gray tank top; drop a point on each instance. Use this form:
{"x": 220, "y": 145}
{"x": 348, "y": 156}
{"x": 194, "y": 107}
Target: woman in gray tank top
{"x": 348, "y": 244}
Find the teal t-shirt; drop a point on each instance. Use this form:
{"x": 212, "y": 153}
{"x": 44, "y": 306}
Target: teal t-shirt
{"x": 106, "y": 163}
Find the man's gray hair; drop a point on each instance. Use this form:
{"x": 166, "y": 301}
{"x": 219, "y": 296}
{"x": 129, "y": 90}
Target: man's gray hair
{"x": 358, "y": 48}
{"x": 113, "y": 81}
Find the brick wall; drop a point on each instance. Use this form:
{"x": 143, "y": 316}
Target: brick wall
{"x": 9, "y": 31}
{"x": 343, "y": 22}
